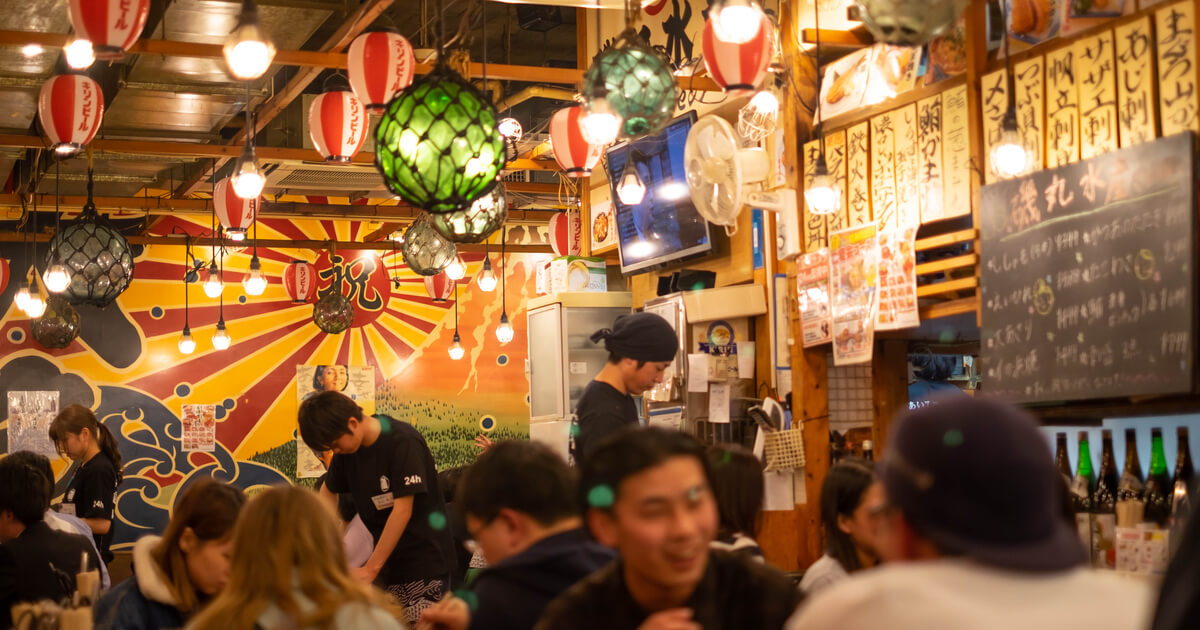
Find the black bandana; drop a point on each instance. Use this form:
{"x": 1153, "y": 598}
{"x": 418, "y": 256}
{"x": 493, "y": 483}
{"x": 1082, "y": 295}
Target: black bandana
{"x": 641, "y": 337}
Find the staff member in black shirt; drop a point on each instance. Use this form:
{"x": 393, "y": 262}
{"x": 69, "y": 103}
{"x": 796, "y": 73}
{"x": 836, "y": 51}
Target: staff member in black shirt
{"x": 640, "y": 347}
{"x": 385, "y": 465}
{"x": 92, "y": 493}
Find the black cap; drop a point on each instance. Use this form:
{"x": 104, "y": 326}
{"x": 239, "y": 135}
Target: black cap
{"x": 976, "y": 478}
{"x": 641, "y": 337}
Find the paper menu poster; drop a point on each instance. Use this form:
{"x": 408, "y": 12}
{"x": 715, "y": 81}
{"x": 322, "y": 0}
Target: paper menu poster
{"x": 29, "y": 418}
{"x": 718, "y": 403}
{"x": 854, "y": 256}
{"x": 199, "y": 427}
{"x": 897, "y": 280}
{"x": 812, "y": 288}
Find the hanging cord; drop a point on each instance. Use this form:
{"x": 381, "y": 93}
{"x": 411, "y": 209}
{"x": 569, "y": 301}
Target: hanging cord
{"x": 817, "y": 65}
{"x": 187, "y": 268}
{"x": 221, "y": 298}
{"x": 503, "y": 270}
{"x": 455, "y": 307}
{"x": 483, "y": 8}
{"x": 33, "y": 241}
{"x": 57, "y": 179}
{"x": 441, "y": 46}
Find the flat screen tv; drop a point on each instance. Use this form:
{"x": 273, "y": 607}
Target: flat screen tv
{"x": 665, "y": 226}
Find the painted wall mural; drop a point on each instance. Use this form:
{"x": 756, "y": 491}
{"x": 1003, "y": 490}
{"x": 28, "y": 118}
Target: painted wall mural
{"x": 126, "y": 366}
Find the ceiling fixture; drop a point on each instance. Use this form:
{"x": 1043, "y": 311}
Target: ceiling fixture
{"x": 1008, "y": 155}
{"x": 486, "y": 277}
{"x": 248, "y": 51}
{"x": 510, "y": 128}
{"x": 907, "y": 23}
{"x": 574, "y": 154}
{"x": 187, "y": 345}
{"x": 21, "y": 299}
{"x": 759, "y": 118}
{"x": 379, "y": 64}
{"x": 637, "y": 85}
{"x": 600, "y": 123}
{"x": 736, "y": 21}
{"x": 504, "y": 331}
{"x": 248, "y": 179}
{"x": 110, "y": 26}
{"x": 477, "y": 222}
{"x": 425, "y": 250}
{"x": 58, "y": 326}
{"x": 337, "y": 124}
{"x": 56, "y": 278}
{"x": 234, "y": 212}
{"x": 300, "y": 281}
{"x": 456, "y": 349}
{"x": 221, "y": 338}
{"x": 213, "y": 284}
{"x": 79, "y": 54}
{"x": 456, "y": 270}
{"x": 821, "y": 193}
{"x": 630, "y": 189}
{"x": 255, "y": 282}
{"x": 98, "y": 258}
{"x": 439, "y": 287}
{"x": 334, "y": 313}
{"x": 70, "y": 108}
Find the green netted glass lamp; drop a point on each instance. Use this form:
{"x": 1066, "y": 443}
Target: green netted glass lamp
{"x": 334, "y": 312}
{"x": 477, "y": 222}
{"x": 438, "y": 145}
{"x": 637, "y": 82}
{"x": 58, "y": 326}
{"x": 426, "y": 251}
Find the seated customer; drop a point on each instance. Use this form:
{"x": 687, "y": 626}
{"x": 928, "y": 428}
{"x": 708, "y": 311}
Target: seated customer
{"x": 648, "y": 494}
{"x": 851, "y": 501}
{"x": 36, "y": 562}
{"x": 519, "y": 499}
{"x": 975, "y": 536}
{"x": 289, "y": 571}
{"x": 737, "y": 483}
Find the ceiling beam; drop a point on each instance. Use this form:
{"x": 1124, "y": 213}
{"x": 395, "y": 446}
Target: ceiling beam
{"x": 197, "y": 241}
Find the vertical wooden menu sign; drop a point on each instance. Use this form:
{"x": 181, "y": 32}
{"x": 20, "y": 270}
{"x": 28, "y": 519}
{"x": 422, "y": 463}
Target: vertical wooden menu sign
{"x": 1088, "y": 275}
{"x": 1062, "y": 108}
{"x": 1135, "y": 82}
{"x": 812, "y": 233}
{"x": 1175, "y": 31}
{"x": 929, "y": 151}
{"x": 835, "y": 160}
{"x": 1097, "y": 81}
{"x": 956, "y": 153}
{"x": 858, "y": 173}
{"x": 995, "y": 104}
{"x": 1030, "y": 83}
{"x": 908, "y": 203}
{"x": 883, "y": 171}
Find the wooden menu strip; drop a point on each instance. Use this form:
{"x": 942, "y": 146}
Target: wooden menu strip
{"x": 949, "y": 308}
{"x": 946, "y": 264}
{"x": 949, "y": 286}
{"x": 942, "y": 240}
{"x": 849, "y": 119}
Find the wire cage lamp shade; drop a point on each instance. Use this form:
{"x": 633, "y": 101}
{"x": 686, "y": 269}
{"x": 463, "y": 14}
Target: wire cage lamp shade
{"x": 475, "y": 223}
{"x": 58, "y": 326}
{"x": 425, "y": 250}
{"x": 97, "y": 256}
{"x": 637, "y": 82}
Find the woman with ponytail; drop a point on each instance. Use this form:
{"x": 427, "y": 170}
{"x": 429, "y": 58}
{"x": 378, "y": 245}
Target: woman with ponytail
{"x": 93, "y": 490}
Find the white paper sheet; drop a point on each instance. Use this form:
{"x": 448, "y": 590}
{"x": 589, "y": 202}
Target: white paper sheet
{"x": 697, "y": 373}
{"x": 777, "y": 492}
{"x": 745, "y": 359}
{"x": 718, "y": 403}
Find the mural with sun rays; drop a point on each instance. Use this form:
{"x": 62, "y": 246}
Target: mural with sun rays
{"x": 126, "y": 364}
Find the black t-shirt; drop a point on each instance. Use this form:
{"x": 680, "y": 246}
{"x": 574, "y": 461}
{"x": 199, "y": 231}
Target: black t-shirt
{"x": 397, "y": 465}
{"x": 601, "y": 411}
{"x": 92, "y": 493}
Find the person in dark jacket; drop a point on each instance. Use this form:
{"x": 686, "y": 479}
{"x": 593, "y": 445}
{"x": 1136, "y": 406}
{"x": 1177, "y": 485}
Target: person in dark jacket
{"x": 519, "y": 500}
{"x": 36, "y": 562}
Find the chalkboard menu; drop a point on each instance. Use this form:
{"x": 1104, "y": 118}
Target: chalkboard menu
{"x": 1088, "y": 277}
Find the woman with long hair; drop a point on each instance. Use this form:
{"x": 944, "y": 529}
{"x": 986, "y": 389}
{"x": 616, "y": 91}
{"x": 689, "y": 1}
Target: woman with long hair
{"x": 851, "y": 498}
{"x": 176, "y": 574}
{"x": 737, "y": 484}
{"x": 91, "y": 495}
{"x": 289, "y": 571}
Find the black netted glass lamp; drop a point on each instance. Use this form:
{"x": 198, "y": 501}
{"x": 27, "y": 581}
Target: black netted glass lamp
{"x": 637, "y": 81}
{"x": 96, "y": 255}
{"x": 474, "y": 224}
{"x": 425, "y": 251}
{"x": 58, "y": 326}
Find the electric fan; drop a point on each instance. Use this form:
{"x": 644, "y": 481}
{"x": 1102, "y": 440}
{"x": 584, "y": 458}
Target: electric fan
{"x": 719, "y": 170}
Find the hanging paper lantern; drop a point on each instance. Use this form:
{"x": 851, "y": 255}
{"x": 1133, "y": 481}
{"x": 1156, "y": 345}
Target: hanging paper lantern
{"x": 111, "y": 25}
{"x": 235, "y": 214}
{"x": 906, "y": 23}
{"x": 70, "y": 107}
{"x": 96, "y": 255}
{"x": 5, "y": 273}
{"x": 565, "y": 234}
{"x": 439, "y": 286}
{"x": 476, "y": 223}
{"x": 380, "y": 65}
{"x": 738, "y": 67}
{"x": 425, "y": 251}
{"x": 572, "y": 152}
{"x": 300, "y": 281}
{"x": 58, "y": 326}
{"x": 334, "y": 312}
{"x": 337, "y": 123}
{"x": 637, "y": 81}
{"x": 438, "y": 145}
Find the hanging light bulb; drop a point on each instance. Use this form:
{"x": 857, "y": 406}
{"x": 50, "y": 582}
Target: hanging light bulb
{"x": 255, "y": 282}
{"x": 1008, "y": 155}
{"x": 456, "y": 349}
{"x": 823, "y": 195}
{"x": 736, "y": 21}
{"x": 220, "y": 339}
{"x": 248, "y": 51}
{"x": 56, "y": 278}
{"x": 213, "y": 284}
{"x": 504, "y": 332}
{"x": 487, "y": 277}
{"x": 187, "y": 345}
{"x": 510, "y": 128}
{"x": 600, "y": 123}
{"x": 79, "y": 54}
{"x": 456, "y": 270}
{"x": 247, "y": 179}
{"x": 630, "y": 189}
{"x": 36, "y": 305}
{"x": 21, "y": 299}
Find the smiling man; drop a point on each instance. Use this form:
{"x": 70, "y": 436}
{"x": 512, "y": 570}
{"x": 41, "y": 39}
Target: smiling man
{"x": 648, "y": 495}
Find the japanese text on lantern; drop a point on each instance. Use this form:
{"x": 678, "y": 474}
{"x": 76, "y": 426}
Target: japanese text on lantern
{"x": 995, "y": 104}
{"x": 883, "y": 171}
{"x": 956, "y": 153}
{"x": 1175, "y": 28}
{"x": 858, "y": 194}
{"x": 1029, "y": 80}
{"x": 929, "y": 141}
{"x": 835, "y": 160}
{"x": 1135, "y": 84}
{"x": 813, "y": 231}
{"x": 1097, "y": 83}
{"x": 908, "y": 204}
{"x": 1062, "y": 108}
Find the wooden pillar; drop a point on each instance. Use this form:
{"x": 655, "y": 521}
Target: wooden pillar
{"x": 889, "y": 380}
{"x": 977, "y": 59}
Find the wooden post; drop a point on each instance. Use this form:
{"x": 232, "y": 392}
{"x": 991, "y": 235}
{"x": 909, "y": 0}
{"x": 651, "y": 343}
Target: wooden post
{"x": 977, "y": 59}
{"x": 889, "y": 379}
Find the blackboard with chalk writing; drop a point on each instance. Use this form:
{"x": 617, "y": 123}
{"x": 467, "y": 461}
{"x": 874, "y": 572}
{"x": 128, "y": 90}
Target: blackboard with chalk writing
{"x": 1088, "y": 277}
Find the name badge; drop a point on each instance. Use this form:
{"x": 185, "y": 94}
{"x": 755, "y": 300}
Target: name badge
{"x": 68, "y": 509}
{"x": 383, "y": 501}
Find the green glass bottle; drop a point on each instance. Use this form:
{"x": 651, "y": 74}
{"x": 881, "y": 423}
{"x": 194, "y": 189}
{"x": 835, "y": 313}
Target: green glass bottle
{"x": 1158, "y": 484}
{"x": 1104, "y": 508}
{"x": 1082, "y": 487}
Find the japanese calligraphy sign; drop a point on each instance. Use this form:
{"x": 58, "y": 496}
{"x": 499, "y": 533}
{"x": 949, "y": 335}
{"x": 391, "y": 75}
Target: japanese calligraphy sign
{"x": 812, "y": 232}
{"x": 1135, "y": 82}
{"x": 1175, "y": 29}
{"x": 1095, "y": 66}
{"x": 812, "y": 286}
{"x": 858, "y": 172}
{"x": 835, "y": 161}
{"x": 883, "y": 170}
{"x": 956, "y": 153}
{"x": 1062, "y": 108}
{"x": 908, "y": 203}
{"x": 854, "y": 255}
{"x": 1088, "y": 277}
{"x": 1029, "y": 81}
{"x": 995, "y": 102}
{"x": 929, "y": 153}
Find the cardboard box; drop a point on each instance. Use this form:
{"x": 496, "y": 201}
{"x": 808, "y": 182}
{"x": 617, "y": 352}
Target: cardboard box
{"x": 575, "y": 273}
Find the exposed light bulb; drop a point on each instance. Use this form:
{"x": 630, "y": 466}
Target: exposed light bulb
{"x": 630, "y": 189}
{"x": 248, "y": 51}
{"x": 80, "y": 54}
{"x": 56, "y": 278}
{"x": 487, "y": 278}
{"x": 456, "y": 270}
{"x": 759, "y": 118}
{"x": 247, "y": 179}
{"x": 1008, "y": 155}
{"x": 187, "y": 345}
{"x": 21, "y": 299}
{"x": 504, "y": 332}
{"x": 823, "y": 195}
{"x": 456, "y": 349}
{"x": 398, "y": 236}
{"x": 31, "y": 50}
{"x": 221, "y": 339}
{"x": 236, "y": 235}
{"x": 36, "y": 306}
{"x": 213, "y": 284}
{"x": 66, "y": 148}
{"x": 510, "y": 128}
{"x": 255, "y": 282}
{"x": 736, "y": 21}
{"x": 600, "y": 123}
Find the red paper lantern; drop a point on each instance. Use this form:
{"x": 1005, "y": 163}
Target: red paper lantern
{"x": 111, "y": 25}
{"x": 5, "y": 273}
{"x": 236, "y": 214}
{"x": 573, "y": 154}
{"x": 565, "y": 235}
{"x": 380, "y": 65}
{"x": 337, "y": 123}
{"x": 300, "y": 281}
{"x": 439, "y": 286}
{"x": 70, "y": 107}
{"x": 738, "y": 67}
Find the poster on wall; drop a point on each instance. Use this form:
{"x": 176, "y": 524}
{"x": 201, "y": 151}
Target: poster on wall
{"x": 897, "y": 280}
{"x": 357, "y": 382}
{"x": 812, "y": 291}
{"x": 854, "y": 256}
{"x": 29, "y": 418}
{"x": 604, "y": 229}
{"x": 199, "y": 427}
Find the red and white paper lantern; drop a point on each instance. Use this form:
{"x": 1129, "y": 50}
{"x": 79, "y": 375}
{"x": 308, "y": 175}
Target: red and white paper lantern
{"x": 738, "y": 67}
{"x": 111, "y": 25}
{"x": 71, "y": 107}
{"x": 380, "y": 65}
{"x": 4, "y": 274}
{"x": 573, "y": 154}
{"x": 337, "y": 124}
{"x": 566, "y": 234}
{"x": 439, "y": 286}
{"x": 235, "y": 214}
{"x": 300, "y": 281}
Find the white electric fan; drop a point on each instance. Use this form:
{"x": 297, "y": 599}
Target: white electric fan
{"x": 719, "y": 170}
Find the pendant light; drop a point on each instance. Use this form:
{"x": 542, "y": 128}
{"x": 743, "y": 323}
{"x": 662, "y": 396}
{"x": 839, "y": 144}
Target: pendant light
{"x": 80, "y": 54}
{"x": 35, "y": 306}
{"x": 736, "y": 21}
{"x": 255, "y": 282}
{"x": 630, "y": 189}
{"x": 821, "y": 194}
{"x": 187, "y": 345}
{"x": 457, "y": 269}
{"x": 214, "y": 283}
{"x": 248, "y": 179}
{"x": 504, "y": 331}
{"x": 220, "y": 338}
{"x": 1008, "y": 155}
{"x": 600, "y": 124}
{"x": 456, "y": 350}
{"x": 56, "y": 277}
{"x": 248, "y": 51}
{"x": 486, "y": 277}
